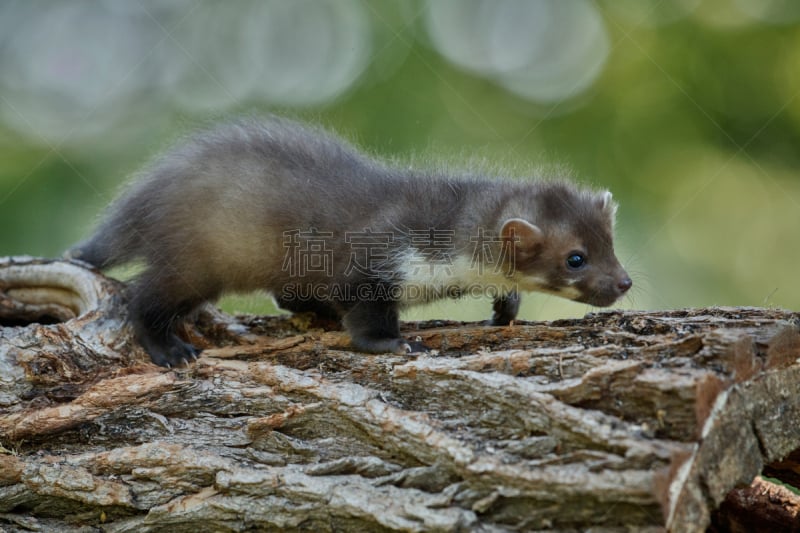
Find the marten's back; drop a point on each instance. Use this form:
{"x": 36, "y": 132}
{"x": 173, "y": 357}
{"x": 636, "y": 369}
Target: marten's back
{"x": 222, "y": 205}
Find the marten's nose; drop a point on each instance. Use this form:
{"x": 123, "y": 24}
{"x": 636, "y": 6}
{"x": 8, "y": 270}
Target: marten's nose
{"x": 624, "y": 284}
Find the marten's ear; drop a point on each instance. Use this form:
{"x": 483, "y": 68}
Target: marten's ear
{"x": 521, "y": 234}
{"x": 607, "y": 204}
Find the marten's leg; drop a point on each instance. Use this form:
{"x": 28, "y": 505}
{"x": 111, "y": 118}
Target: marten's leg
{"x": 374, "y": 327}
{"x": 159, "y": 300}
{"x": 505, "y": 309}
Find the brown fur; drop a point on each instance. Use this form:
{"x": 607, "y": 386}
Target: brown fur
{"x": 212, "y": 216}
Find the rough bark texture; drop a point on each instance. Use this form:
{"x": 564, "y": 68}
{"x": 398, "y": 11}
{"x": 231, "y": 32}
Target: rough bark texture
{"x": 763, "y": 507}
{"x": 618, "y": 420}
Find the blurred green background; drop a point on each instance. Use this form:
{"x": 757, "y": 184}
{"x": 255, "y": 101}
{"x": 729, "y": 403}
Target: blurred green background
{"x": 687, "y": 110}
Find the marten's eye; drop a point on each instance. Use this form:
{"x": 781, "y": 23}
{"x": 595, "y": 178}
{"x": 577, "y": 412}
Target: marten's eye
{"x": 576, "y": 260}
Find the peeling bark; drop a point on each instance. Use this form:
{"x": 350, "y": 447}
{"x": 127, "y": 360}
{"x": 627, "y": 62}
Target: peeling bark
{"x": 763, "y": 507}
{"x": 615, "y": 421}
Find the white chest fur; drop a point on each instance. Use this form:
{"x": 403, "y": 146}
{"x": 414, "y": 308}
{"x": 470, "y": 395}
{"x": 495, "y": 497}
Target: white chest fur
{"x": 425, "y": 279}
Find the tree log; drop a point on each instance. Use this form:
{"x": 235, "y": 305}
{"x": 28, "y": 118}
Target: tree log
{"x": 763, "y": 507}
{"x": 621, "y": 420}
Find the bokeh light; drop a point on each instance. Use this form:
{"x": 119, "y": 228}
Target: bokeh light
{"x": 65, "y": 69}
{"x": 651, "y": 13}
{"x": 544, "y": 50}
{"x": 780, "y": 12}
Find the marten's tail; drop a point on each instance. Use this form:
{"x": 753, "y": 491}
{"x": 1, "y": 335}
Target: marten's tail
{"x": 117, "y": 241}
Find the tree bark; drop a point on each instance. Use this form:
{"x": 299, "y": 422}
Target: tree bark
{"x": 620, "y": 420}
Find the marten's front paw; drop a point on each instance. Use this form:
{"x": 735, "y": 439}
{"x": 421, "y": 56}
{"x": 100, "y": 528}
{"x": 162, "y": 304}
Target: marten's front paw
{"x": 415, "y": 347}
{"x": 405, "y": 347}
{"x": 170, "y": 352}
{"x": 395, "y": 346}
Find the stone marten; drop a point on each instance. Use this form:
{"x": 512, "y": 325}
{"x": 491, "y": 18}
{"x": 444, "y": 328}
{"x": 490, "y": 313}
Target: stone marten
{"x": 296, "y": 211}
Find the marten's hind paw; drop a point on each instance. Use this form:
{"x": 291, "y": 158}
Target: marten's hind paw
{"x": 170, "y": 352}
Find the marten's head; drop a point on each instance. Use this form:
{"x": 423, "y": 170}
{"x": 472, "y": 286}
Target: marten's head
{"x": 563, "y": 244}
